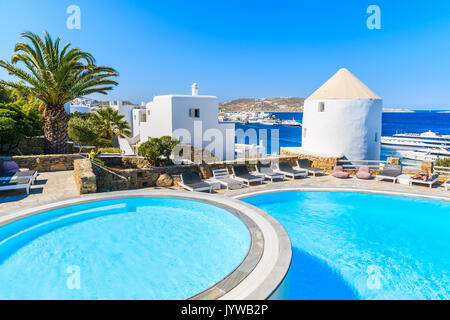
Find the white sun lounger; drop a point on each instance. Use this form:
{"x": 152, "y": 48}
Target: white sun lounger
{"x": 433, "y": 180}
{"x": 447, "y": 185}
{"x": 18, "y": 183}
{"x": 224, "y": 178}
{"x": 284, "y": 167}
{"x": 191, "y": 181}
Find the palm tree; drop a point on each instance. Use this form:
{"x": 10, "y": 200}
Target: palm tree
{"x": 111, "y": 123}
{"x": 55, "y": 77}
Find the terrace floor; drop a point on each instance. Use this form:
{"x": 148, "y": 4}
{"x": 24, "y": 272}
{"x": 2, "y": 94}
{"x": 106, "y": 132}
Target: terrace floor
{"x": 49, "y": 187}
{"x": 57, "y": 186}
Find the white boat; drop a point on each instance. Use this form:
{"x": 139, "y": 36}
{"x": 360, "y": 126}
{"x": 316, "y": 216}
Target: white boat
{"x": 417, "y": 141}
{"x": 290, "y": 123}
{"x": 267, "y": 122}
{"x": 425, "y": 155}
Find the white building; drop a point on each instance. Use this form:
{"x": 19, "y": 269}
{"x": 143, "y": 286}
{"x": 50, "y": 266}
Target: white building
{"x": 343, "y": 117}
{"x": 124, "y": 109}
{"x": 190, "y": 118}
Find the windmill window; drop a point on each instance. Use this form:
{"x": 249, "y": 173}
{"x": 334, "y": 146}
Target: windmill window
{"x": 321, "y": 106}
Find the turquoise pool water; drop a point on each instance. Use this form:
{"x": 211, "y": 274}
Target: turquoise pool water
{"x": 142, "y": 248}
{"x": 364, "y": 246}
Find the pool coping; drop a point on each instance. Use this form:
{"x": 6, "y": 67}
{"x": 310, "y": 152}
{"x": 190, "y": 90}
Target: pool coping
{"x": 260, "y": 273}
{"x": 341, "y": 189}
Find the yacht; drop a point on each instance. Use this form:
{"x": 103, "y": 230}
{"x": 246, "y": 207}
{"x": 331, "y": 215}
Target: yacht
{"x": 417, "y": 141}
{"x": 290, "y": 123}
{"x": 425, "y": 155}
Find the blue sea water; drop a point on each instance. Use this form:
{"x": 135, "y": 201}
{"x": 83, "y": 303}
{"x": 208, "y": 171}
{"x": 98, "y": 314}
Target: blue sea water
{"x": 392, "y": 123}
{"x": 144, "y": 248}
{"x": 363, "y": 246}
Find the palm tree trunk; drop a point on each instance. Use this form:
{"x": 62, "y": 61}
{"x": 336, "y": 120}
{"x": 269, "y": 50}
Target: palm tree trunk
{"x": 55, "y": 130}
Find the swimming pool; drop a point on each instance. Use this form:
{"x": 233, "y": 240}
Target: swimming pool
{"x": 130, "y": 248}
{"x": 349, "y": 245}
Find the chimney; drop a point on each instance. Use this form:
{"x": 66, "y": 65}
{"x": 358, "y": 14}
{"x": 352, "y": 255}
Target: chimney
{"x": 195, "y": 89}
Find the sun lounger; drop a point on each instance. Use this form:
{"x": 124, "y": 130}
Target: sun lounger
{"x": 430, "y": 181}
{"x": 18, "y": 183}
{"x": 21, "y": 174}
{"x": 447, "y": 185}
{"x": 224, "y": 178}
{"x": 364, "y": 173}
{"x": 192, "y": 182}
{"x": 306, "y": 164}
{"x": 268, "y": 173}
{"x": 338, "y": 172}
{"x": 390, "y": 172}
{"x": 241, "y": 173}
{"x": 284, "y": 167}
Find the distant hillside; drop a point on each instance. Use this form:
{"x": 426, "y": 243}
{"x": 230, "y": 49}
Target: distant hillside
{"x": 287, "y": 104}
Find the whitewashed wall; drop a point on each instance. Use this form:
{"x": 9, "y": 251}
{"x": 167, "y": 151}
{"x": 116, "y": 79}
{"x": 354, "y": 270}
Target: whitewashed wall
{"x": 346, "y": 126}
{"x": 169, "y": 115}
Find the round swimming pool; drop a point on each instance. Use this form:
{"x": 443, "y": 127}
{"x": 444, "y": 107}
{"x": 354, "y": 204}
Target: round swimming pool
{"x": 132, "y": 248}
{"x": 349, "y": 245}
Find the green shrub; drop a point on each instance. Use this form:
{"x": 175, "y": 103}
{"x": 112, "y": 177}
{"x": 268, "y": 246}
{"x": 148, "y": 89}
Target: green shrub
{"x": 82, "y": 132}
{"x": 109, "y": 150}
{"x": 94, "y": 157}
{"x": 16, "y": 123}
{"x": 158, "y": 150}
{"x": 442, "y": 162}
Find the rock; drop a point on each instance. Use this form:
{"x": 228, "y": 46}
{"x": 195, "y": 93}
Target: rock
{"x": 164, "y": 181}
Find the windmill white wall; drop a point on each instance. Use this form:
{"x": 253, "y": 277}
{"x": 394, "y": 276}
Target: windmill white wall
{"x": 343, "y": 117}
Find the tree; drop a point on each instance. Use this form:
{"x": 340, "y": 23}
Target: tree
{"x": 158, "y": 150}
{"x": 111, "y": 123}
{"x": 15, "y": 125}
{"x": 82, "y": 132}
{"x": 56, "y": 76}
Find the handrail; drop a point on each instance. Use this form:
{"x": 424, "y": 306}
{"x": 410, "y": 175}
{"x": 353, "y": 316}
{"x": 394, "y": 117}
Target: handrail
{"x": 374, "y": 161}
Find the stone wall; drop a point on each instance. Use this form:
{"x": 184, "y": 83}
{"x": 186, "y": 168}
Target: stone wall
{"x": 35, "y": 146}
{"x": 327, "y": 163}
{"x": 46, "y": 163}
{"x": 109, "y": 180}
{"x": 85, "y": 178}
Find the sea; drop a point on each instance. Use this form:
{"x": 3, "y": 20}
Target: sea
{"x": 392, "y": 122}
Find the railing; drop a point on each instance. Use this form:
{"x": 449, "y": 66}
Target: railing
{"x": 354, "y": 164}
{"x": 445, "y": 171}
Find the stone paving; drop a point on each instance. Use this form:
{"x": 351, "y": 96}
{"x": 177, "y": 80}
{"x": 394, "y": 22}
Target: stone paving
{"x": 49, "y": 187}
{"x": 56, "y": 186}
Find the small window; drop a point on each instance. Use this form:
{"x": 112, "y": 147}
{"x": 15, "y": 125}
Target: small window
{"x": 304, "y": 132}
{"x": 148, "y": 112}
{"x": 376, "y": 136}
{"x": 321, "y": 106}
{"x": 194, "y": 113}
{"x": 143, "y": 117}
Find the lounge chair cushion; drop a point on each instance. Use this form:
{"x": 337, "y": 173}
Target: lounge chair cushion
{"x": 433, "y": 177}
{"x": 267, "y": 170}
{"x": 240, "y": 171}
{"x": 303, "y": 163}
{"x": 286, "y": 167}
{"x": 190, "y": 178}
{"x": 4, "y": 183}
{"x": 391, "y": 170}
{"x": 28, "y": 173}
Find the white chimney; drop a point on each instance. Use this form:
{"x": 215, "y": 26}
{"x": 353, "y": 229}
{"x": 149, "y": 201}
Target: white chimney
{"x": 195, "y": 89}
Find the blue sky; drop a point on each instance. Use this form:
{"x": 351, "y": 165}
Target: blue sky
{"x": 252, "y": 48}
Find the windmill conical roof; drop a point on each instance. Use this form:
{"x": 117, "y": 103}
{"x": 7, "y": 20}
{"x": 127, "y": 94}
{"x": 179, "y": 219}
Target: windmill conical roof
{"x": 343, "y": 85}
